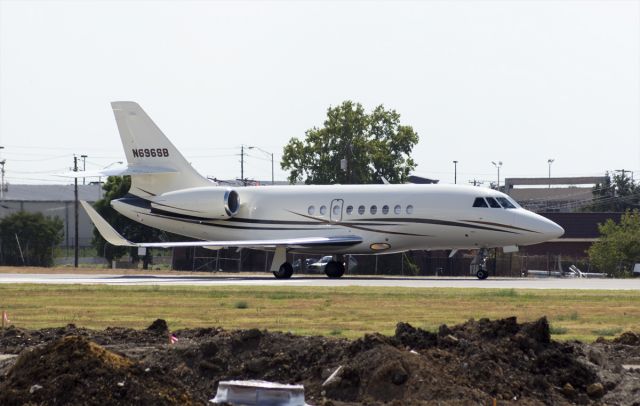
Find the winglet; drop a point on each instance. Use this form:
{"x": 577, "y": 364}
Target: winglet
{"x": 106, "y": 231}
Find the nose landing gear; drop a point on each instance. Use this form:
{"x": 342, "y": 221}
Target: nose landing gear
{"x": 479, "y": 265}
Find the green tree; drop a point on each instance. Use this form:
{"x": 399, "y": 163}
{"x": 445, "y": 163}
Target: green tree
{"x": 616, "y": 194}
{"x": 29, "y": 239}
{"x": 374, "y": 145}
{"x": 116, "y": 187}
{"x": 618, "y": 247}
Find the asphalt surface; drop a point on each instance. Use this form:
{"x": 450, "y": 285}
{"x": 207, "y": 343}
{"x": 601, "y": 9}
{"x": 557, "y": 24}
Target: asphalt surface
{"x": 267, "y": 280}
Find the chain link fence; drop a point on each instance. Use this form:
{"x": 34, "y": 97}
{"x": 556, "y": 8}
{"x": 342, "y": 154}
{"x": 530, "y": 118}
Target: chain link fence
{"x": 412, "y": 263}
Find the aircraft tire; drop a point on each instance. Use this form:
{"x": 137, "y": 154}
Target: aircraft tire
{"x": 284, "y": 272}
{"x": 482, "y": 274}
{"x": 334, "y": 269}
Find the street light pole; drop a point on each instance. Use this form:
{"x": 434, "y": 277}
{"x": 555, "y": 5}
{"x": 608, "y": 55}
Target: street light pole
{"x": 270, "y": 154}
{"x": 550, "y": 161}
{"x": 498, "y": 165}
{"x": 455, "y": 172}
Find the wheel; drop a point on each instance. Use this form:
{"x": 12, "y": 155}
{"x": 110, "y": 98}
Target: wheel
{"x": 284, "y": 272}
{"x": 334, "y": 269}
{"x": 482, "y": 274}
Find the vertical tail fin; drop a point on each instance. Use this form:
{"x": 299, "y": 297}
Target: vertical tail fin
{"x": 146, "y": 146}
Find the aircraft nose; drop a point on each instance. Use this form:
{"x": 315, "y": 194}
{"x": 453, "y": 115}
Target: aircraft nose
{"x": 541, "y": 228}
{"x": 552, "y": 229}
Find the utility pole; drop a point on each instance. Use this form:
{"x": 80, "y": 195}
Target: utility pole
{"x": 455, "y": 172}
{"x": 2, "y": 177}
{"x": 550, "y": 161}
{"x": 624, "y": 171}
{"x": 242, "y": 164}
{"x": 84, "y": 166}
{"x": 75, "y": 208}
{"x": 2, "y": 183}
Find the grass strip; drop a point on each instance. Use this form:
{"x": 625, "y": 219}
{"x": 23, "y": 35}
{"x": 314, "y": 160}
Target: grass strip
{"x": 347, "y": 312}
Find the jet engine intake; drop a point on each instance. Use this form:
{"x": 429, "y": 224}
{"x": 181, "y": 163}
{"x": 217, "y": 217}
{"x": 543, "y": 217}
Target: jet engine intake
{"x": 208, "y": 202}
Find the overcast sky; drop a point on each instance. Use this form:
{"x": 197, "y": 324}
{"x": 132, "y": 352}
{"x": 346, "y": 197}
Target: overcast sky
{"x": 480, "y": 81}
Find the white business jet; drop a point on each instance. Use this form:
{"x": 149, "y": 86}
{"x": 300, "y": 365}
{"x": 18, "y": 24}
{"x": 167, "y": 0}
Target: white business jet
{"x": 168, "y": 194}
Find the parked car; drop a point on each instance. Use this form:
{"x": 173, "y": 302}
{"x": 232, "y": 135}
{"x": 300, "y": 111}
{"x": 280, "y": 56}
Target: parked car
{"x": 318, "y": 266}
{"x": 303, "y": 266}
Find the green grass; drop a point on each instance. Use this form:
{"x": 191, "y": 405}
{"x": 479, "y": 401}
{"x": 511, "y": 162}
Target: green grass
{"x": 555, "y": 330}
{"x": 241, "y": 305}
{"x": 607, "y": 331}
{"x": 347, "y": 312}
{"x": 572, "y": 316}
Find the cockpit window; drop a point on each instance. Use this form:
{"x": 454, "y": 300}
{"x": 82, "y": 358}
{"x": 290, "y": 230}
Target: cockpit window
{"x": 480, "y": 202}
{"x": 505, "y": 203}
{"x": 493, "y": 203}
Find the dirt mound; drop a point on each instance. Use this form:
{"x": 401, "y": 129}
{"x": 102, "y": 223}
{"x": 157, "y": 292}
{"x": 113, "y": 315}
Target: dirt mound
{"x": 159, "y": 326}
{"x": 74, "y": 370}
{"x": 471, "y": 363}
{"x": 628, "y": 338}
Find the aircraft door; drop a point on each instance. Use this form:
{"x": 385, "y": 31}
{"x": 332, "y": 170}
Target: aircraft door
{"x": 335, "y": 215}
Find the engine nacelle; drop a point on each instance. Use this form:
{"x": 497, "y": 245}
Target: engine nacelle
{"x": 206, "y": 202}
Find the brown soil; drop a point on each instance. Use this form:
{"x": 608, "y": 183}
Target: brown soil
{"x": 472, "y": 363}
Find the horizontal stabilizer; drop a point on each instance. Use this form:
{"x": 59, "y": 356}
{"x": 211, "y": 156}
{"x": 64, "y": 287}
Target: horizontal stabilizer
{"x": 119, "y": 171}
{"x": 114, "y": 238}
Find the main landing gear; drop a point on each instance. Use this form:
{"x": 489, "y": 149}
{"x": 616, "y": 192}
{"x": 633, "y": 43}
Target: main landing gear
{"x": 284, "y": 272}
{"x": 479, "y": 265}
{"x": 333, "y": 269}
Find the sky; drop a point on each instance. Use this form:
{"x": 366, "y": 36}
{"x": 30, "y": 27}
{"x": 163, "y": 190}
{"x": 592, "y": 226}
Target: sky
{"x": 519, "y": 82}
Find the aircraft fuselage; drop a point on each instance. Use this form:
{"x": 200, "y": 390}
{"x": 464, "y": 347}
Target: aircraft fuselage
{"x": 388, "y": 218}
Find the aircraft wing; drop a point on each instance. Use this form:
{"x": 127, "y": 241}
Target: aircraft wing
{"x": 114, "y": 238}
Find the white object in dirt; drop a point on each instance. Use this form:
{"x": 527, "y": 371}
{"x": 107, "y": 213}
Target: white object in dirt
{"x": 333, "y": 376}
{"x": 254, "y": 392}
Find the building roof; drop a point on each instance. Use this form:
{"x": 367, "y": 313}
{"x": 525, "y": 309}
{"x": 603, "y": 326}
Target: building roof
{"x": 52, "y": 193}
{"x": 557, "y": 194}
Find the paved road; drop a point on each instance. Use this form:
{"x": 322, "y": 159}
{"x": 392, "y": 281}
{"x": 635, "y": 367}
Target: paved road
{"x": 413, "y": 282}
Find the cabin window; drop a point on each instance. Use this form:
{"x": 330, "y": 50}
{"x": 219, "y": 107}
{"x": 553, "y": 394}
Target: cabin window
{"x": 323, "y": 210}
{"x": 373, "y": 209}
{"x": 385, "y": 209}
{"x": 480, "y": 202}
{"x": 397, "y": 209}
{"x": 409, "y": 209}
{"x": 505, "y": 203}
{"x": 336, "y": 210}
{"x": 361, "y": 209}
{"x": 493, "y": 203}
{"x": 349, "y": 209}
{"x": 311, "y": 210}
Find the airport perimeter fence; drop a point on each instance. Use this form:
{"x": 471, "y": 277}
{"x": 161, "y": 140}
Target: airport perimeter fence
{"x": 412, "y": 263}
